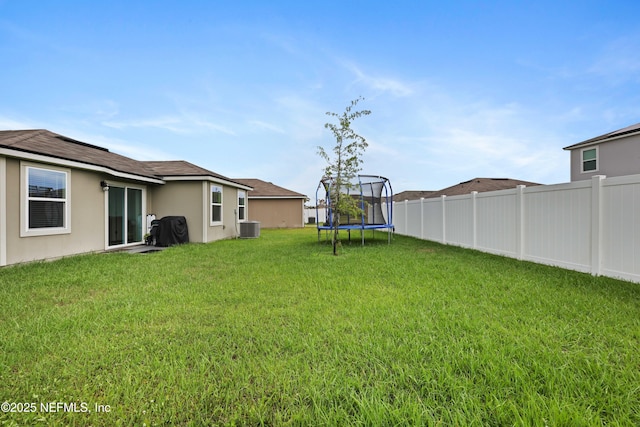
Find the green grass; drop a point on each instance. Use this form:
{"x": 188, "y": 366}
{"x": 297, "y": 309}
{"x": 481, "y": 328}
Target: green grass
{"x": 277, "y": 331}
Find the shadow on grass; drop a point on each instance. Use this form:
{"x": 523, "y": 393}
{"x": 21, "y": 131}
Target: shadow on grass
{"x": 354, "y": 238}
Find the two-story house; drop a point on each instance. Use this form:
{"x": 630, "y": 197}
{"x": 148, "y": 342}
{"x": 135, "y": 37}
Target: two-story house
{"x": 615, "y": 153}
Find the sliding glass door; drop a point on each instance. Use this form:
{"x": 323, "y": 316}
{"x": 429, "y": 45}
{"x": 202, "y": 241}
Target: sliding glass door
{"x": 125, "y": 215}
{"x": 134, "y": 215}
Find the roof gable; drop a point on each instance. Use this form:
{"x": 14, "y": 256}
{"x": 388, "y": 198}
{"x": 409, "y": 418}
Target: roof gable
{"x": 628, "y": 131}
{"x": 268, "y": 190}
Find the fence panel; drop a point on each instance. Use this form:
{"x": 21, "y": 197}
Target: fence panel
{"x": 399, "y": 218}
{"x": 497, "y": 222}
{"x": 621, "y": 227}
{"x": 413, "y": 225}
{"x": 319, "y": 216}
{"x": 459, "y": 218}
{"x": 432, "y": 219}
{"x": 557, "y": 222}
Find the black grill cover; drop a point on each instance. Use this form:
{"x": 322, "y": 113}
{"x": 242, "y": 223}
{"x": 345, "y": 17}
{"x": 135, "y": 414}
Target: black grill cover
{"x": 172, "y": 230}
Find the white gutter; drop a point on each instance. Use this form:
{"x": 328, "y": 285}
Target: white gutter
{"x": 277, "y": 197}
{"x": 207, "y": 178}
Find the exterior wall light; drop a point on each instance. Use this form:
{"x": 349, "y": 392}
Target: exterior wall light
{"x": 104, "y": 185}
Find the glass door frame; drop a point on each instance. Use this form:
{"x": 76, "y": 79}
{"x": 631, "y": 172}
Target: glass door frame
{"x": 125, "y": 213}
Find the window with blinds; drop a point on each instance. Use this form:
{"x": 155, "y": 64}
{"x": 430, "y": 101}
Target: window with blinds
{"x": 46, "y": 198}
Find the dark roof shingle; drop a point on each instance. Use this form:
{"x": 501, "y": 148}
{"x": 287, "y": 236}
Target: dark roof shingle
{"x": 180, "y": 168}
{"x": 268, "y": 189}
{"x": 50, "y": 144}
{"x": 616, "y": 133}
{"x": 476, "y": 184}
{"x": 41, "y": 141}
{"x": 412, "y": 195}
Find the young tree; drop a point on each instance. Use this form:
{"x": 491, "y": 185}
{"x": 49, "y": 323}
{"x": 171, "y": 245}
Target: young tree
{"x": 343, "y": 164}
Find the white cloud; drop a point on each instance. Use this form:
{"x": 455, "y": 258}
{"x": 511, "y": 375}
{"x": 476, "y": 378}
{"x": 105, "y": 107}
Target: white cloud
{"x": 617, "y": 63}
{"x": 445, "y": 138}
{"x": 183, "y": 124}
{"x": 106, "y": 109}
{"x": 7, "y": 123}
{"x": 282, "y": 42}
{"x": 172, "y": 124}
{"x": 267, "y": 126}
{"x": 302, "y": 119}
{"x": 379, "y": 84}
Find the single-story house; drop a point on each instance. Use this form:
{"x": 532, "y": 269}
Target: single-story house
{"x": 476, "y": 184}
{"x": 615, "y": 153}
{"x": 412, "y": 195}
{"x": 60, "y": 196}
{"x": 274, "y": 206}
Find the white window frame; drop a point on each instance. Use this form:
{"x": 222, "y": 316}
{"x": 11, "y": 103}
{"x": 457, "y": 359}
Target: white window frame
{"x": 25, "y": 231}
{"x": 244, "y": 207}
{"x": 597, "y": 159}
{"x": 212, "y": 204}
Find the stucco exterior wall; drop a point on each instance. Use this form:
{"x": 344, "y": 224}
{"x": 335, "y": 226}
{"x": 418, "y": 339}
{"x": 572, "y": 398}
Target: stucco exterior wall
{"x": 277, "y": 213}
{"x": 192, "y": 199}
{"x": 615, "y": 158}
{"x": 87, "y": 216}
{"x": 180, "y": 198}
{"x": 229, "y": 228}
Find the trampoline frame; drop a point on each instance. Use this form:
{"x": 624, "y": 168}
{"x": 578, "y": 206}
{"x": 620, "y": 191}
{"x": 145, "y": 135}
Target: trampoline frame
{"x": 387, "y": 197}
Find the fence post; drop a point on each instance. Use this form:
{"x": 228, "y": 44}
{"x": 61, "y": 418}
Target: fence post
{"x": 596, "y": 224}
{"x": 406, "y": 217}
{"x": 520, "y": 236}
{"x": 444, "y": 219}
{"x": 474, "y": 218}
{"x": 422, "y": 218}
{"x": 393, "y": 212}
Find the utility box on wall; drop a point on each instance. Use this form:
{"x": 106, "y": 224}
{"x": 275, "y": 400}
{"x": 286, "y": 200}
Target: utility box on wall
{"x": 250, "y": 229}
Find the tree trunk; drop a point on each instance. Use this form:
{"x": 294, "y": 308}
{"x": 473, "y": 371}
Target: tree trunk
{"x": 336, "y": 224}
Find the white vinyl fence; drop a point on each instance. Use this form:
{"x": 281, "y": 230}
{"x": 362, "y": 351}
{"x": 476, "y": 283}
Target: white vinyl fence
{"x": 591, "y": 226}
{"x": 311, "y": 213}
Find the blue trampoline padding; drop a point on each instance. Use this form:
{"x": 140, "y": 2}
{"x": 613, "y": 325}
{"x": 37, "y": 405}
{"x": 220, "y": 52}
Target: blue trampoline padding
{"x": 356, "y": 227}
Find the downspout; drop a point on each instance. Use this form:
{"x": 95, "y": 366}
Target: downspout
{"x": 3, "y": 211}
{"x": 205, "y": 211}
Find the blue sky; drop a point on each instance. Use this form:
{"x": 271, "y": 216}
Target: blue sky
{"x": 457, "y": 89}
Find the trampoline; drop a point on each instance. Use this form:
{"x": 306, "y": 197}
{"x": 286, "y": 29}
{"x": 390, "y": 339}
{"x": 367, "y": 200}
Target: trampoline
{"x": 370, "y": 191}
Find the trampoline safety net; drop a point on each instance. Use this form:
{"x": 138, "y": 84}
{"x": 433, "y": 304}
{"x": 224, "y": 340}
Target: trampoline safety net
{"x": 374, "y": 197}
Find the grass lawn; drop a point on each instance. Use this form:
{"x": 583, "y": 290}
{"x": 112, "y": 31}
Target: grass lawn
{"x": 277, "y": 331}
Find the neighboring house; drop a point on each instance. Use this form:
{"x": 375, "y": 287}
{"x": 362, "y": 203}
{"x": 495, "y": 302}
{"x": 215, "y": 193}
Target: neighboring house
{"x": 615, "y": 153}
{"x": 412, "y": 195}
{"x": 480, "y": 185}
{"x": 274, "y": 206}
{"x": 59, "y": 197}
